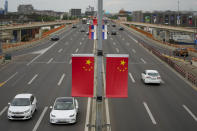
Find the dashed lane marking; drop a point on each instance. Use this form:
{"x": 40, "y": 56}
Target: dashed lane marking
{"x": 4, "y": 109}
{"x": 133, "y": 50}
{"x": 61, "y": 79}
{"x": 36, "y": 75}
{"x": 149, "y": 113}
{"x": 130, "y": 75}
{"x": 50, "y": 61}
{"x": 60, "y": 50}
{"x": 143, "y": 60}
{"x": 70, "y": 62}
{"x": 117, "y": 50}
{"x": 40, "y": 119}
{"x": 190, "y": 112}
{"x": 3, "y": 83}
{"x": 77, "y": 50}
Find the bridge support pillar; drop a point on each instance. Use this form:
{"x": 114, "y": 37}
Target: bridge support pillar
{"x": 19, "y": 35}
{"x": 52, "y": 27}
{"x": 167, "y": 36}
{"x": 40, "y": 33}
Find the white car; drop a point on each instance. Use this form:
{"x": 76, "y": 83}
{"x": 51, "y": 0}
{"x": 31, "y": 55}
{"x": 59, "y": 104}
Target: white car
{"x": 64, "y": 111}
{"x": 22, "y": 107}
{"x": 151, "y": 76}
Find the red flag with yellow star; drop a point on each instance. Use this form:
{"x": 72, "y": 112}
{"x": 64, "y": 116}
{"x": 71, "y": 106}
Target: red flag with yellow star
{"x": 117, "y": 75}
{"x": 82, "y": 75}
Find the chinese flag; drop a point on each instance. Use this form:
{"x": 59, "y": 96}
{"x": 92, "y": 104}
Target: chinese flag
{"x": 117, "y": 75}
{"x": 82, "y": 75}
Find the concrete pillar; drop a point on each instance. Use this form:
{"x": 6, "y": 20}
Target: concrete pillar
{"x": 167, "y": 36}
{"x": 19, "y": 35}
{"x": 154, "y": 33}
{"x": 40, "y": 32}
{"x": 52, "y": 27}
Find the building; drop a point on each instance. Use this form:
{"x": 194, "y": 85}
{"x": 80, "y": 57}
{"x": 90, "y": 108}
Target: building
{"x": 75, "y": 12}
{"x": 25, "y": 9}
{"x": 90, "y": 11}
{"x": 2, "y": 11}
{"x": 173, "y": 18}
{"x": 6, "y": 7}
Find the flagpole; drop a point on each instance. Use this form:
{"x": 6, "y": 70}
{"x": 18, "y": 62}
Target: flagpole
{"x": 99, "y": 88}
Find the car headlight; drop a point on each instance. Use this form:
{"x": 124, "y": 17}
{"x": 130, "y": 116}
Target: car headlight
{"x": 52, "y": 115}
{"x": 27, "y": 111}
{"x": 72, "y": 115}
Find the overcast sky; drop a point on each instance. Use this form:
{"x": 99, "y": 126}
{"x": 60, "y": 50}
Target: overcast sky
{"x": 111, "y": 6}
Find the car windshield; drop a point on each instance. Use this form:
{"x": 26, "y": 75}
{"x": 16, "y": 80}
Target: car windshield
{"x": 20, "y": 102}
{"x": 63, "y": 106}
{"x": 153, "y": 74}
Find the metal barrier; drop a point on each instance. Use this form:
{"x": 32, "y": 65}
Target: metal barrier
{"x": 186, "y": 74}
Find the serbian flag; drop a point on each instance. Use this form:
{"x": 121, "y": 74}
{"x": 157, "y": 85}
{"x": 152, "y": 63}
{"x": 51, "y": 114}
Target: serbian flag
{"x": 92, "y": 32}
{"x": 117, "y": 75}
{"x": 82, "y": 75}
{"x": 104, "y": 33}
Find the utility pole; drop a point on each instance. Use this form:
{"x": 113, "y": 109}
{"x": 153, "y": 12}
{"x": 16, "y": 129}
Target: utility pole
{"x": 179, "y": 21}
{"x": 99, "y": 89}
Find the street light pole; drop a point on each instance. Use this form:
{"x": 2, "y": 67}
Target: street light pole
{"x": 99, "y": 89}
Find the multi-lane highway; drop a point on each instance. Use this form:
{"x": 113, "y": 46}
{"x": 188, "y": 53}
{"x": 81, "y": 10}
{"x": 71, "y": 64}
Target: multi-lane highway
{"x": 45, "y": 70}
{"x": 169, "y": 107}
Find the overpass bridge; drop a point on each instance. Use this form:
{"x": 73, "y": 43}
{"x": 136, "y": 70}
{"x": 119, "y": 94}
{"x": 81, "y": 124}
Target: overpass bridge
{"x": 32, "y": 30}
{"x": 165, "y": 32}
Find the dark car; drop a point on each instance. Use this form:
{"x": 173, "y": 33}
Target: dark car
{"x": 82, "y": 30}
{"x": 113, "y": 25}
{"x": 113, "y": 32}
{"x": 121, "y": 28}
{"x": 74, "y": 26}
{"x": 180, "y": 52}
{"x": 55, "y": 37}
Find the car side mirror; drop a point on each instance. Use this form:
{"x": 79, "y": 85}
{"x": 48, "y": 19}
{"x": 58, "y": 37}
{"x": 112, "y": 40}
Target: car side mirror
{"x": 50, "y": 107}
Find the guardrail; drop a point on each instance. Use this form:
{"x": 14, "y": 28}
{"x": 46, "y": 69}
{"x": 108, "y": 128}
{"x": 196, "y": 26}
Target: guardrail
{"x": 186, "y": 74}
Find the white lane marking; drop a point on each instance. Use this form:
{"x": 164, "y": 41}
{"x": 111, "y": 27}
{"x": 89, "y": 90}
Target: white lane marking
{"x": 70, "y": 61}
{"x": 80, "y": 43}
{"x": 11, "y": 77}
{"x": 117, "y": 50}
{"x": 111, "y": 38}
{"x": 149, "y": 113}
{"x": 50, "y": 61}
{"x": 36, "y": 75}
{"x": 82, "y": 38}
{"x": 4, "y": 109}
{"x": 133, "y": 39}
{"x": 162, "y": 82}
{"x": 42, "y": 53}
{"x": 40, "y": 119}
{"x": 77, "y": 50}
{"x": 143, "y": 60}
{"x": 88, "y": 114}
{"x": 133, "y": 50}
{"x": 123, "y": 39}
{"x": 60, "y": 50}
{"x": 127, "y": 44}
{"x": 114, "y": 43}
{"x": 190, "y": 112}
{"x": 130, "y": 75}
{"x": 61, "y": 79}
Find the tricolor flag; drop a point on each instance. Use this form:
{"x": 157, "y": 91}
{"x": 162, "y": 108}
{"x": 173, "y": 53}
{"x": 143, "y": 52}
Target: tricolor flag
{"x": 117, "y": 75}
{"x": 104, "y": 34}
{"x": 92, "y": 32}
{"x": 82, "y": 75}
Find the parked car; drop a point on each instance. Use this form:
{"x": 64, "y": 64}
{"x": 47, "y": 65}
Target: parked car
{"x": 180, "y": 52}
{"x": 55, "y": 37}
{"x": 151, "y": 76}
{"x": 22, "y": 107}
{"x": 113, "y": 25}
{"x": 64, "y": 111}
{"x": 82, "y": 30}
{"x": 113, "y": 32}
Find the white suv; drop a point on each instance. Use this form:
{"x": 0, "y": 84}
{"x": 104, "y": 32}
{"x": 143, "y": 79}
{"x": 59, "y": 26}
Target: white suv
{"x": 22, "y": 107}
